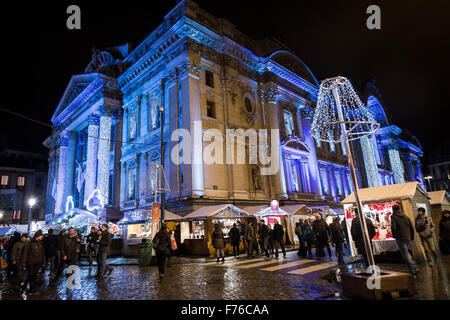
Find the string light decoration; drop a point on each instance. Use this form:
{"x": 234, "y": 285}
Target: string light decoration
{"x": 340, "y": 116}
{"x": 370, "y": 162}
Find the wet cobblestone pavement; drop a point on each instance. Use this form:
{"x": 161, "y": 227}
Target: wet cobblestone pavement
{"x": 236, "y": 279}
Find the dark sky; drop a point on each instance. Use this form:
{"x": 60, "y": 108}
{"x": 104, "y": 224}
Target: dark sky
{"x": 409, "y": 56}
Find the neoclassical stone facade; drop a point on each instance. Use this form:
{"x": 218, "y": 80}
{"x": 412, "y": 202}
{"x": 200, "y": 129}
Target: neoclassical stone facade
{"x": 201, "y": 71}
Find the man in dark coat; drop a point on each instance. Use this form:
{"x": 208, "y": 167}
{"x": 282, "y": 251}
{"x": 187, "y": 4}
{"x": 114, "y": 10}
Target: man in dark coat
{"x": 60, "y": 252}
{"x": 278, "y": 238}
{"x": 425, "y": 228}
{"x": 264, "y": 237}
{"x": 104, "y": 241}
{"x": 92, "y": 245}
{"x": 51, "y": 245}
{"x": 11, "y": 270}
{"x": 320, "y": 229}
{"x": 235, "y": 238}
{"x": 162, "y": 239}
{"x": 69, "y": 247}
{"x": 403, "y": 232}
{"x": 33, "y": 258}
{"x": 249, "y": 237}
{"x": 16, "y": 257}
{"x": 358, "y": 237}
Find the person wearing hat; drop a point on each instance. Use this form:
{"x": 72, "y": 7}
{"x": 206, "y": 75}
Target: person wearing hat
{"x": 33, "y": 258}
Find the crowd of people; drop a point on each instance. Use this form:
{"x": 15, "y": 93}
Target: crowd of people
{"x": 27, "y": 257}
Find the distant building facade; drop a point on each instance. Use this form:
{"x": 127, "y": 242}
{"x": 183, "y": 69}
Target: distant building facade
{"x": 23, "y": 175}
{"x": 201, "y": 70}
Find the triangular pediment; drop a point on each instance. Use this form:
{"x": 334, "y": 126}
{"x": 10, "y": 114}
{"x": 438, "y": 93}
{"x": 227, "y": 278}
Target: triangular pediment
{"x": 77, "y": 84}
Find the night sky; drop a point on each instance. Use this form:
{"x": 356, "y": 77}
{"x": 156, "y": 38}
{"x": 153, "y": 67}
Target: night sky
{"x": 408, "y": 57}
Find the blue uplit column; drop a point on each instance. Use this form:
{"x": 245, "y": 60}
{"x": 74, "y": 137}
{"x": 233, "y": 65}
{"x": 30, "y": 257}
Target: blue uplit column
{"x": 59, "y": 206}
{"x": 70, "y": 166}
{"x": 104, "y": 148}
{"x": 91, "y": 159}
{"x": 125, "y": 127}
{"x": 123, "y": 183}
{"x": 370, "y": 162}
{"x": 396, "y": 163}
{"x": 269, "y": 97}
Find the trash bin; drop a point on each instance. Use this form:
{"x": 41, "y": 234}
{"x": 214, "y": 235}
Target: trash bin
{"x": 145, "y": 253}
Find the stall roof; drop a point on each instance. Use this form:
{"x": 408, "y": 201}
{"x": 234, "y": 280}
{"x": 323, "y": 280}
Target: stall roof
{"x": 296, "y": 209}
{"x": 437, "y": 197}
{"x": 213, "y": 211}
{"x": 393, "y": 191}
{"x": 264, "y": 211}
{"x": 4, "y": 230}
{"x": 171, "y": 216}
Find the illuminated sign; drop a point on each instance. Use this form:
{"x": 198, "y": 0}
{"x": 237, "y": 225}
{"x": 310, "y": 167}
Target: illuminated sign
{"x": 94, "y": 201}
{"x": 274, "y": 205}
{"x": 69, "y": 204}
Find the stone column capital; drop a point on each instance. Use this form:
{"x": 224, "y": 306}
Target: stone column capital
{"x": 105, "y": 111}
{"x": 94, "y": 119}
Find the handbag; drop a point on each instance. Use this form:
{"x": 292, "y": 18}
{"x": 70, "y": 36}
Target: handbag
{"x": 3, "y": 264}
{"x": 174, "y": 245}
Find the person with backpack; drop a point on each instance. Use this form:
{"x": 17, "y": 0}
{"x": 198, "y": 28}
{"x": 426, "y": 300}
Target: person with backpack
{"x": 162, "y": 244}
{"x": 16, "y": 257}
{"x": 403, "y": 232}
{"x": 51, "y": 245}
{"x": 307, "y": 236}
{"x": 425, "y": 228}
{"x": 34, "y": 258}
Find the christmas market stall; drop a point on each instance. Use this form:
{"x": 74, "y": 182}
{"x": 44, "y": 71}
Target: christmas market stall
{"x": 197, "y": 227}
{"x": 440, "y": 201}
{"x": 137, "y": 225}
{"x": 377, "y": 205}
{"x": 296, "y": 213}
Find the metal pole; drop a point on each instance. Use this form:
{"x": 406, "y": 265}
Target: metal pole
{"x": 29, "y": 220}
{"x": 361, "y": 215}
{"x": 162, "y": 149}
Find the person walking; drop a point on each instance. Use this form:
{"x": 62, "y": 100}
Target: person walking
{"x": 308, "y": 235}
{"x": 235, "y": 239}
{"x": 60, "y": 253}
{"x": 337, "y": 237}
{"x": 34, "y": 258}
{"x": 104, "y": 243}
{"x": 10, "y": 269}
{"x": 69, "y": 248}
{"x": 358, "y": 236}
{"x": 270, "y": 239}
{"x": 51, "y": 246}
{"x": 16, "y": 257}
{"x": 92, "y": 245}
{"x": 218, "y": 242}
{"x": 425, "y": 228}
{"x": 264, "y": 238}
{"x": 242, "y": 234}
{"x": 278, "y": 238}
{"x": 403, "y": 232}
{"x": 347, "y": 239}
{"x": 161, "y": 244}
{"x": 249, "y": 238}
{"x": 320, "y": 229}
{"x": 299, "y": 234}
{"x": 79, "y": 238}
{"x": 444, "y": 232}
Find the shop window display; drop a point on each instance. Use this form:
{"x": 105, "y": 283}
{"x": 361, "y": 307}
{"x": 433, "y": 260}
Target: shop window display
{"x": 198, "y": 230}
{"x": 139, "y": 231}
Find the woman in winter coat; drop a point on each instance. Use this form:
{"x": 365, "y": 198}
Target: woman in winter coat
{"x": 337, "y": 237}
{"x": 235, "y": 238}
{"x": 444, "y": 230}
{"x": 218, "y": 242}
{"x": 308, "y": 236}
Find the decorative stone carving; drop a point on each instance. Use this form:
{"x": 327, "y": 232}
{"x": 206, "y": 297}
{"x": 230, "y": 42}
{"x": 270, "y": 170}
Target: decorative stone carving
{"x": 256, "y": 177}
{"x": 194, "y": 67}
{"x": 268, "y": 95}
{"x": 94, "y": 119}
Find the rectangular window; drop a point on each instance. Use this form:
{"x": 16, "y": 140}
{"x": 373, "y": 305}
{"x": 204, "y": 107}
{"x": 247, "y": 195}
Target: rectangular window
{"x": 210, "y": 109}
{"x": 5, "y": 180}
{"x": 16, "y": 215}
{"x": 20, "y": 181}
{"x": 209, "y": 78}
{"x": 288, "y": 122}
{"x": 132, "y": 132}
{"x": 337, "y": 177}
{"x": 344, "y": 150}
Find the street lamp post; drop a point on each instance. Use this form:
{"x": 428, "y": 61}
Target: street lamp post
{"x": 31, "y": 203}
{"x": 428, "y": 178}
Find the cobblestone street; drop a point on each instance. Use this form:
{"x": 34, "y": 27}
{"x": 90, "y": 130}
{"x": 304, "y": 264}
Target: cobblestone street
{"x": 236, "y": 279}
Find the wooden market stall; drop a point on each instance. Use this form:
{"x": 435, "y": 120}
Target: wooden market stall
{"x": 440, "y": 201}
{"x": 377, "y": 205}
{"x": 197, "y": 227}
{"x": 296, "y": 213}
